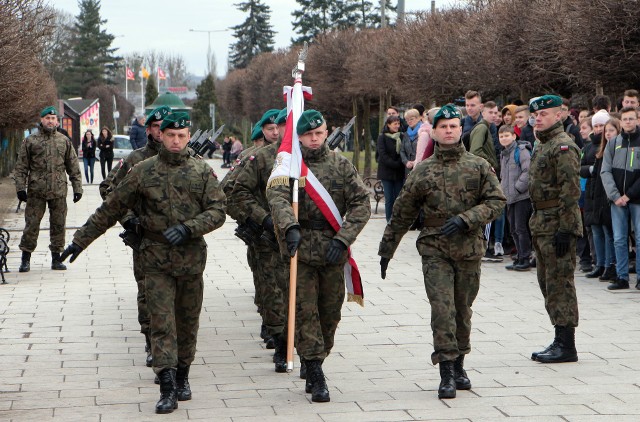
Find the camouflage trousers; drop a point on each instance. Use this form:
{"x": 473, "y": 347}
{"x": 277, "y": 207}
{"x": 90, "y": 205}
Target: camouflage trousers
{"x": 33, "y": 213}
{"x": 555, "y": 277}
{"x": 174, "y": 304}
{"x": 273, "y": 279}
{"x": 319, "y": 297}
{"x": 451, "y": 287}
{"x": 143, "y": 313}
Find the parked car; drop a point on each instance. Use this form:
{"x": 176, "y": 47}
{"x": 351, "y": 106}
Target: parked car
{"x": 121, "y": 148}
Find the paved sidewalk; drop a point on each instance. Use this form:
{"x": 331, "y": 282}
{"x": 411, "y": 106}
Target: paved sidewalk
{"x": 70, "y": 347}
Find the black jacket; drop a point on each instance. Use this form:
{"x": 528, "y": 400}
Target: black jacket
{"x": 105, "y": 146}
{"x": 587, "y": 171}
{"x": 526, "y": 134}
{"x": 390, "y": 165}
{"x": 573, "y": 131}
{"x": 89, "y": 150}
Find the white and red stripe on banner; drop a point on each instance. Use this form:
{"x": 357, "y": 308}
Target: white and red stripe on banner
{"x": 289, "y": 164}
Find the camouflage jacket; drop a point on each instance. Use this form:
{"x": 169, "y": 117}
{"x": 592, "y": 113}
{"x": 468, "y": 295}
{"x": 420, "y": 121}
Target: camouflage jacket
{"x": 348, "y": 192}
{"x": 42, "y": 161}
{"x": 164, "y": 190}
{"x": 118, "y": 173}
{"x": 251, "y": 183}
{"x": 554, "y": 176}
{"x": 452, "y": 182}
{"x": 234, "y": 210}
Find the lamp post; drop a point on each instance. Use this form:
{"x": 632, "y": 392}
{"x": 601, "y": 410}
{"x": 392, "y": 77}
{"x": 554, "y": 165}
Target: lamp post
{"x": 209, "y": 44}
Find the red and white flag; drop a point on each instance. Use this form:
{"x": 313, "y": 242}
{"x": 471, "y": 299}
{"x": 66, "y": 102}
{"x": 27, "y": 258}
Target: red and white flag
{"x": 289, "y": 164}
{"x": 161, "y": 74}
{"x": 130, "y": 74}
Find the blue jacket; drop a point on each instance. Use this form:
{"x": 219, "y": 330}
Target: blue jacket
{"x": 137, "y": 135}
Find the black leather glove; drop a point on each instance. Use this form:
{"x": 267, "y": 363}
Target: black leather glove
{"x": 384, "y": 264}
{"x": 22, "y": 196}
{"x": 131, "y": 224}
{"x": 72, "y": 250}
{"x": 76, "y": 197}
{"x": 267, "y": 223}
{"x": 293, "y": 238}
{"x": 562, "y": 241}
{"x": 453, "y": 226}
{"x": 335, "y": 251}
{"x": 178, "y": 234}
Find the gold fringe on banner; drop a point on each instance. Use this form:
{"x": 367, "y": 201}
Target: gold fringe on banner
{"x": 278, "y": 181}
{"x": 355, "y": 298}
{"x": 302, "y": 181}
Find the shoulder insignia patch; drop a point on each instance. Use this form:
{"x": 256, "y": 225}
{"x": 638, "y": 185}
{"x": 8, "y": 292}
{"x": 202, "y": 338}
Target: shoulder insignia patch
{"x": 253, "y": 157}
{"x": 564, "y": 147}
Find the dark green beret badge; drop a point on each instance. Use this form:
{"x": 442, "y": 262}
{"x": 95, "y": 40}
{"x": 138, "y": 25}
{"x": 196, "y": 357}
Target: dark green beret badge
{"x": 158, "y": 114}
{"x": 48, "y": 110}
{"x": 446, "y": 112}
{"x": 309, "y": 119}
{"x": 546, "y": 101}
{"x": 179, "y": 120}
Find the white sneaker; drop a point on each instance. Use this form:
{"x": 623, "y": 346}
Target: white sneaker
{"x": 497, "y": 249}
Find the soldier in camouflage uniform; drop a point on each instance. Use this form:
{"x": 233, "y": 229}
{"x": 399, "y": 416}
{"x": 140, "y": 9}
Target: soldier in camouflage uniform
{"x": 178, "y": 200}
{"x": 40, "y": 170}
{"x": 234, "y": 212}
{"x": 130, "y": 221}
{"x": 554, "y": 187}
{"x": 322, "y": 253}
{"x": 249, "y": 194}
{"x": 459, "y": 193}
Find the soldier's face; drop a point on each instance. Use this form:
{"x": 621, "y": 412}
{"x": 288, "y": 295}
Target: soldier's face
{"x": 154, "y": 130}
{"x": 50, "y": 121}
{"x": 314, "y": 138}
{"x": 175, "y": 140}
{"x": 629, "y": 121}
{"x": 447, "y": 132}
{"x": 271, "y": 132}
{"x": 547, "y": 117}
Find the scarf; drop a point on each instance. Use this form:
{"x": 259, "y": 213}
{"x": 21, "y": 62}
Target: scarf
{"x": 397, "y": 137}
{"x": 413, "y": 133}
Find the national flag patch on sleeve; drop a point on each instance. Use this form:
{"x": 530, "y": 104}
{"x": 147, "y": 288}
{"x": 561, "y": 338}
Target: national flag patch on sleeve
{"x": 564, "y": 147}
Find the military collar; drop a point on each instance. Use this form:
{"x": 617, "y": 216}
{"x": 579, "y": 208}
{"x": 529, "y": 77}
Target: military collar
{"x": 545, "y": 135}
{"x": 173, "y": 158}
{"x": 448, "y": 154}
{"x": 153, "y": 145}
{"x": 310, "y": 155}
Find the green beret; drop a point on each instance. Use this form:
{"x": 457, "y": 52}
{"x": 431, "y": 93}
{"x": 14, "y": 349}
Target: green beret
{"x": 158, "y": 114}
{"x": 309, "y": 119}
{"x": 178, "y": 120}
{"x": 256, "y": 133}
{"x": 446, "y": 112}
{"x": 49, "y": 110}
{"x": 282, "y": 117}
{"x": 546, "y": 101}
{"x": 269, "y": 117}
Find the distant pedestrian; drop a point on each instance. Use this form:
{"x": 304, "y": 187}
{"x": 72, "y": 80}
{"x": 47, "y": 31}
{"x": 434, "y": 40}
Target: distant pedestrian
{"x": 390, "y": 167}
{"x": 88, "y": 154}
{"x": 105, "y": 145}
{"x": 138, "y": 133}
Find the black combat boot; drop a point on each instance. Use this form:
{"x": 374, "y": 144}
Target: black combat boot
{"x": 460, "y": 375}
{"x": 319, "y": 390}
{"x": 168, "y": 391}
{"x": 609, "y": 274}
{"x": 25, "y": 265}
{"x": 182, "y": 382}
{"x": 565, "y": 348}
{"x": 280, "y": 355}
{"x": 263, "y": 332}
{"x": 534, "y": 355}
{"x": 270, "y": 343}
{"x": 597, "y": 272}
{"x": 447, "y": 388}
{"x": 303, "y": 369}
{"x": 56, "y": 264}
{"x": 147, "y": 349}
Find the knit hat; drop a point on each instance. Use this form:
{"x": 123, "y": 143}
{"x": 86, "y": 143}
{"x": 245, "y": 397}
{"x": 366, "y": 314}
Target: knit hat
{"x": 600, "y": 118}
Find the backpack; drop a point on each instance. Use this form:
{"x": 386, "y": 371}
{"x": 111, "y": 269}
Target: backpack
{"x": 516, "y": 153}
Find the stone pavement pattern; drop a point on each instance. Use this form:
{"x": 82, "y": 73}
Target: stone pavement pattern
{"x": 70, "y": 347}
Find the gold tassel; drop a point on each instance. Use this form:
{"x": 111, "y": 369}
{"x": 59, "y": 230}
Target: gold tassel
{"x": 278, "y": 181}
{"x": 355, "y": 298}
{"x": 302, "y": 181}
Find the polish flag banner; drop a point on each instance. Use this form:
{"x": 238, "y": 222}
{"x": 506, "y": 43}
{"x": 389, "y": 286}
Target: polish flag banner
{"x": 130, "y": 75}
{"x": 161, "y": 74}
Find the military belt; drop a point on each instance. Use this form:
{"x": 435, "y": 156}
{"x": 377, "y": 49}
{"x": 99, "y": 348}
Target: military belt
{"x": 543, "y": 205}
{"x": 156, "y": 237}
{"x": 434, "y": 222}
{"x": 315, "y": 225}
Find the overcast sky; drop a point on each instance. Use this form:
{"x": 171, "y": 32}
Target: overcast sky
{"x": 164, "y": 25}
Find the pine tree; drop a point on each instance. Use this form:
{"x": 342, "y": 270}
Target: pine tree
{"x": 206, "y": 93}
{"x": 93, "y": 61}
{"x": 254, "y": 35}
{"x": 150, "y": 91}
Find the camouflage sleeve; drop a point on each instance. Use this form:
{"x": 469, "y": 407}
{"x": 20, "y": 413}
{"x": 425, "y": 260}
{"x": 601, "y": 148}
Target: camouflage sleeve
{"x": 73, "y": 167}
{"x": 233, "y": 209}
{"x": 106, "y": 186}
{"x": 21, "y": 170}
{"x": 245, "y": 190}
{"x": 112, "y": 209}
{"x": 405, "y": 211}
{"x": 279, "y": 198}
{"x": 212, "y": 202}
{"x": 567, "y": 176}
{"x": 491, "y": 202}
{"x": 358, "y": 205}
